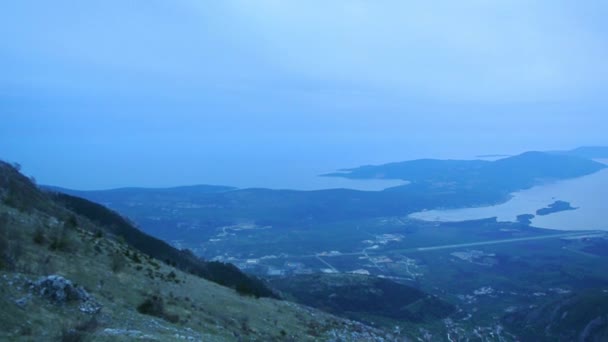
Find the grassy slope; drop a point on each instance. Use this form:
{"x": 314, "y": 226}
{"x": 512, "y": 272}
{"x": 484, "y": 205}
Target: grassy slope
{"x": 223, "y": 274}
{"x": 42, "y": 239}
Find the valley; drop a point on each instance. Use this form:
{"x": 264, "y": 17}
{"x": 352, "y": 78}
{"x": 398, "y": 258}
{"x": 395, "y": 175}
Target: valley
{"x": 304, "y": 171}
{"x": 479, "y": 274}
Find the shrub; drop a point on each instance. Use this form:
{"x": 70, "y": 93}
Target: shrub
{"x": 4, "y": 221}
{"x": 61, "y": 240}
{"x": 117, "y": 262}
{"x": 81, "y": 331}
{"x": 244, "y": 289}
{"x": 72, "y": 335}
{"x": 172, "y": 318}
{"x": 38, "y": 237}
{"x": 11, "y": 249}
{"x": 135, "y": 257}
{"x": 154, "y": 306}
{"x": 3, "y": 249}
{"x": 71, "y": 222}
{"x": 89, "y": 325}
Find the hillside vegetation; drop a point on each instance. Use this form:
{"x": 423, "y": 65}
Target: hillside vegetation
{"x": 113, "y": 223}
{"x": 365, "y": 298}
{"x": 578, "y": 317}
{"x": 69, "y": 276}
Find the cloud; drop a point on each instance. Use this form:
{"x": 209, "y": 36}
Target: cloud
{"x": 345, "y": 81}
{"x": 441, "y": 50}
{"x": 461, "y": 50}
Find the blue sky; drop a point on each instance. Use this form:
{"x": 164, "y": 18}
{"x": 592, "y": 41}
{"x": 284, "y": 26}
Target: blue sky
{"x": 112, "y": 93}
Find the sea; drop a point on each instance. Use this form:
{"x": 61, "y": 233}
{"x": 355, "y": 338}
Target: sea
{"x": 589, "y": 194}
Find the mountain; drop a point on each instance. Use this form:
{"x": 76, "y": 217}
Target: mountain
{"x": 71, "y": 270}
{"x": 414, "y": 170}
{"x": 589, "y": 152}
{"x": 135, "y": 194}
{"x": 504, "y": 175}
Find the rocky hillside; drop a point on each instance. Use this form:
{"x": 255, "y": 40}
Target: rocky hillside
{"x": 73, "y": 277}
{"x": 578, "y": 317}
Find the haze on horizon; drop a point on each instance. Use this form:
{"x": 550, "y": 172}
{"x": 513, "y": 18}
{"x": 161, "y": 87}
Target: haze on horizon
{"x": 103, "y": 94}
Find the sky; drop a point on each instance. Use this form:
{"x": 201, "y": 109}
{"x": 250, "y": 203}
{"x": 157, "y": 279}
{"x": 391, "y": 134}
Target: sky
{"x": 111, "y": 93}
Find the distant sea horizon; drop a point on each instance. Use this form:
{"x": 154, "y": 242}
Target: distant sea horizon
{"x": 300, "y": 176}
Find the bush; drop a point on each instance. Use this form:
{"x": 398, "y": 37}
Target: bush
{"x": 172, "y": 318}
{"x": 135, "y": 257}
{"x": 4, "y": 221}
{"x": 3, "y": 250}
{"x": 38, "y": 237}
{"x": 61, "y": 241}
{"x": 11, "y": 249}
{"x": 80, "y": 332}
{"x": 72, "y": 335}
{"x": 117, "y": 262}
{"x": 154, "y": 306}
{"x": 71, "y": 222}
{"x": 244, "y": 289}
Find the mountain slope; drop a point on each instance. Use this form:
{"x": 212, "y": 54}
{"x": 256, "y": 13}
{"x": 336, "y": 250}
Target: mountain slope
{"x": 223, "y": 274}
{"x": 364, "y": 298}
{"x": 138, "y": 194}
{"x": 65, "y": 277}
{"x": 579, "y": 317}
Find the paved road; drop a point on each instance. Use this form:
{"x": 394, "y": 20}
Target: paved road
{"x": 494, "y": 242}
{"x": 459, "y": 245}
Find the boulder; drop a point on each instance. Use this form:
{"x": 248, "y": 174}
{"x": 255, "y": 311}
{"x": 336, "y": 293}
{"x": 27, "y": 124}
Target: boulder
{"x": 61, "y": 290}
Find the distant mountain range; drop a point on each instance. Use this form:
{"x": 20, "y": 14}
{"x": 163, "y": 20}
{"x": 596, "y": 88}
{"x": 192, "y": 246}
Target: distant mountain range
{"x": 589, "y": 152}
{"x": 433, "y": 184}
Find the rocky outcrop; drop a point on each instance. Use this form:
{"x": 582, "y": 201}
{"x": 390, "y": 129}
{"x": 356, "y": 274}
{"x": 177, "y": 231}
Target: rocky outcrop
{"x": 60, "y": 290}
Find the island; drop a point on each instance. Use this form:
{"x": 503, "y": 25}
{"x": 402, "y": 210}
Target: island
{"x": 555, "y": 207}
{"x": 525, "y": 219}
